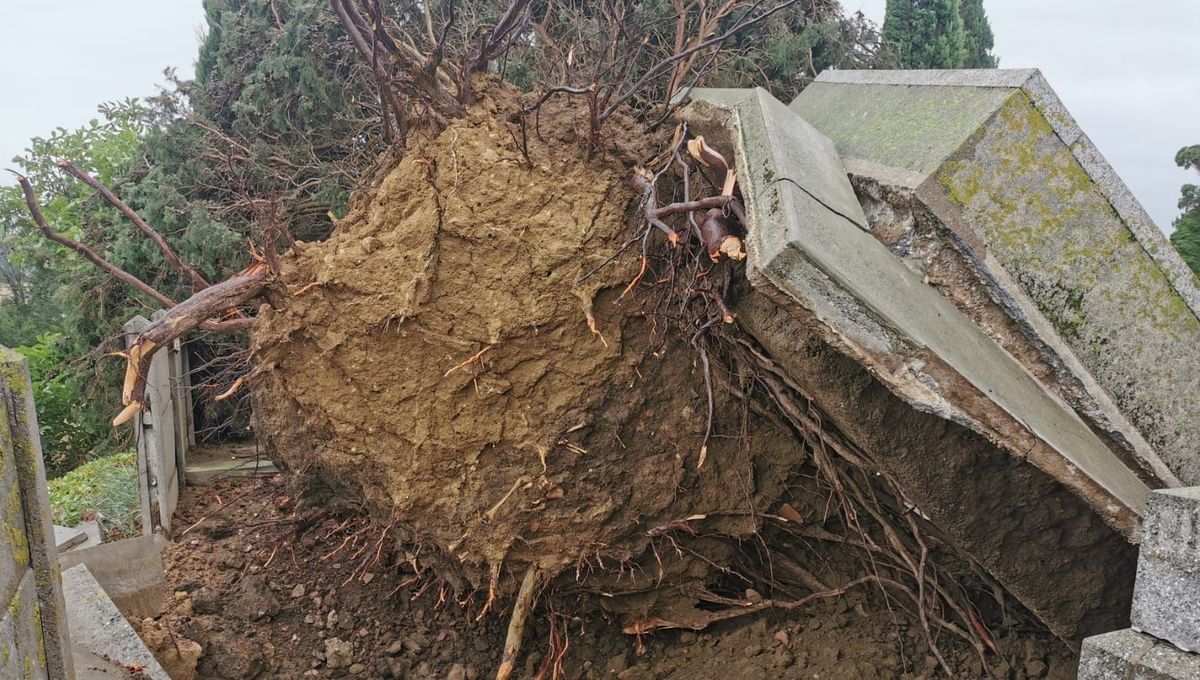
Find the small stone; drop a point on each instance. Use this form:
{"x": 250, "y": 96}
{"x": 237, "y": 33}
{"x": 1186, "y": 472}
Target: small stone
{"x": 331, "y": 619}
{"x": 298, "y": 591}
{"x": 457, "y": 672}
{"x": 394, "y": 648}
{"x": 1035, "y": 668}
{"x": 617, "y": 663}
{"x": 358, "y": 668}
{"x": 338, "y": 654}
{"x": 367, "y": 578}
{"x": 783, "y": 638}
{"x": 752, "y": 650}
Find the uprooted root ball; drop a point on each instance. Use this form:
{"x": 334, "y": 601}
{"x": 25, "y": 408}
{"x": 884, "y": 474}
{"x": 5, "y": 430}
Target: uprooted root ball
{"x": 446, "y": 356}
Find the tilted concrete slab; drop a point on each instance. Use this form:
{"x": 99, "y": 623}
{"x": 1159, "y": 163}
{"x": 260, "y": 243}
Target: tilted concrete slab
{"x": 987, "y": 187}
{"x": 809, "y": 249}
{"x": 99, "y": 630}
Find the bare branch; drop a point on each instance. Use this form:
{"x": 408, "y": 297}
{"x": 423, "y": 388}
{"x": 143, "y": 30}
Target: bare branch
{"x": 172, "y": 259}
{"x": 88, "y": 254}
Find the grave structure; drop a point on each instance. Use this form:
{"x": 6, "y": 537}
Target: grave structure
{"x": 982, "y": 182}
{"x": 947, "y": 267}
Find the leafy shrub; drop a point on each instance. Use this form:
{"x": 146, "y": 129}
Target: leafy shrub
{"x": 71, "y": 429}
{"x": 107, "y": 486}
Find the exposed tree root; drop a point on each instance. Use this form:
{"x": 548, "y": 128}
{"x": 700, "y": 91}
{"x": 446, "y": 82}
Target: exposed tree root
{"x": 691, "y": 279}
{"x": 516, "y": 625}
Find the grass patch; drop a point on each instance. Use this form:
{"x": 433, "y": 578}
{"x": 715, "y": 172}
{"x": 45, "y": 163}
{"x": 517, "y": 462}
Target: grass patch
{"x": 107, "y": 486}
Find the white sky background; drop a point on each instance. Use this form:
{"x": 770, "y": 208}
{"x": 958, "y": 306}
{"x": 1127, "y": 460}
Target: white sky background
{"x": 1128, "y": 71}
{"x": 59, "y": 59}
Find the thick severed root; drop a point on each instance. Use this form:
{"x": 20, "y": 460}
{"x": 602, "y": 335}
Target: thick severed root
{"x": 714, "y": 232}
{"x": 516, "y": 625}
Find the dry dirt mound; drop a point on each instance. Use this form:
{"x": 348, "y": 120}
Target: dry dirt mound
{"x": 447, "y": 357}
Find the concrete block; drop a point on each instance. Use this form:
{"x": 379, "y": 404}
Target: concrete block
{"x": 131, "y": 572}
{"x": 98, "y": 627}
{"x": 28, "y": 496}
{"x": 1129, "y": 655}
{"x": 94, "y": 532}
{"x": 1042, "y": 233}
{"x": 66, "y": 538}
{"x": 1166, "y": 597}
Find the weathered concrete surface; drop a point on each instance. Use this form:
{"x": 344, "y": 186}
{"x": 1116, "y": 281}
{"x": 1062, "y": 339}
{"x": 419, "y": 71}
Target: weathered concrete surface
{"x": 1032, "y": 234}
{"x": 1129, "y": 655}
{"x": 1166, "y": 599}
{"x": 822, "y": 281}
{"x": 157, "y": 441}
{"x": 99, "y": 628}
{"x": 33, "y": 632}
{"x": 66, "y": 538}
{"x": 129, "y": 570}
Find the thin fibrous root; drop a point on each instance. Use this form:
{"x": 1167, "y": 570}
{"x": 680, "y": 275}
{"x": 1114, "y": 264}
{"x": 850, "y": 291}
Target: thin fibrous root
{"x": 516, "y": 625}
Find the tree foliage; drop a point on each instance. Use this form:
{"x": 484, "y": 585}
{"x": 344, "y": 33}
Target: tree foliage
{"x": 939, "y": 34}
{"x": 1186, "y": 236}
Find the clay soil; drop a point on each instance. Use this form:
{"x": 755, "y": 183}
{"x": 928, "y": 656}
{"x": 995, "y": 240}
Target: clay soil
{"x": 274, "y": 585}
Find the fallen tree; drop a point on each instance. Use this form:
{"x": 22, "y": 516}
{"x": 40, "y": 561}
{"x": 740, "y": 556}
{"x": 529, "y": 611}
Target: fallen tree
{"x": 517, "y": 350}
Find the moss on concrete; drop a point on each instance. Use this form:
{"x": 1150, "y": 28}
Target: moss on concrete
{"x": 1042, "y": 216}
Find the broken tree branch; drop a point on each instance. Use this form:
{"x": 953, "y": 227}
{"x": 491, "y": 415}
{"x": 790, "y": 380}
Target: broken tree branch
{"x": 187, "y": 315}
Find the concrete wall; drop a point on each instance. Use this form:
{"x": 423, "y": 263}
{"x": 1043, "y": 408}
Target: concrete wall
{"x": 33, "y": 631}
{"x": 163, "y": 433}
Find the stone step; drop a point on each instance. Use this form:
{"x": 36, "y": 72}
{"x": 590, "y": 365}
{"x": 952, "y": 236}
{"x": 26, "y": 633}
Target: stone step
{"x": 1130, "y": 655}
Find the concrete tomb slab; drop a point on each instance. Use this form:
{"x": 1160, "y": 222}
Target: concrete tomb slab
{"x": 810, "y": 253}
{"x": 99, "y": 630}
{"x": 985, "y": 185}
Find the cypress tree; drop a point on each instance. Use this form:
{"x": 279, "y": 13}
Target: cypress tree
{"x": 1186, "y": 237}
{"x": 926, "y": 33}
{"x": 979, "y": 39}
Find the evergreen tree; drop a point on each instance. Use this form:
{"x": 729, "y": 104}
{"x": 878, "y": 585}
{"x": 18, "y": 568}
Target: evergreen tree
{"x": 1186, "y": 236}
{"x": 926, "y": 33}
{"x": 979, "y": 39}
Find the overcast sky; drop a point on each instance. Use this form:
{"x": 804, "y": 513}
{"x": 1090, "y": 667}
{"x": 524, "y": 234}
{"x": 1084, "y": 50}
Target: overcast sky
{"x": 1129, "y": 71}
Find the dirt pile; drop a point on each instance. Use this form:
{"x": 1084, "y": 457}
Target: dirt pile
{"x": 456, "y": 356}
{"x": 299, "y": 614}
